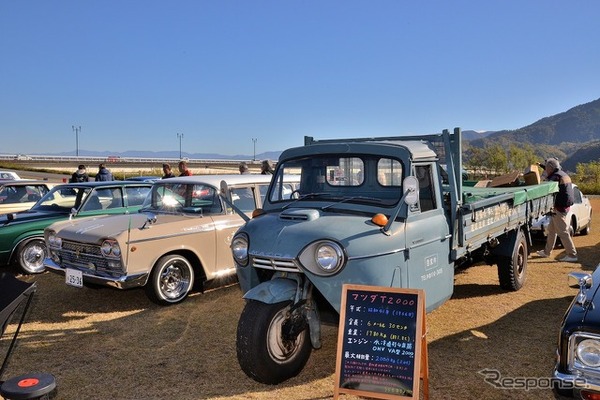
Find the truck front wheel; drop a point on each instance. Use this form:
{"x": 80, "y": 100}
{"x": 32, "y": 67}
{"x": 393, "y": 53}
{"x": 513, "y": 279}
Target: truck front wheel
{"x": 272, "y": 344}
{"x": 511, "y": 270}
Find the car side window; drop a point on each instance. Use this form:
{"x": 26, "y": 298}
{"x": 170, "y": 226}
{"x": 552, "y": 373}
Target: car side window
{"x": 136, "y": 195}
{"x": 243, "y": 198}
{"x": 92, "y": 203}
{"x": 426, "y": 193}
{"x": 577, "y": 196}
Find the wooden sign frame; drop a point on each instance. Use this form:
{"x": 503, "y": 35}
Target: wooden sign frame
{"x": 377, "y": 379}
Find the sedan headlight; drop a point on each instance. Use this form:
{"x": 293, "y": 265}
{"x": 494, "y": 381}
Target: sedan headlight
{"x": 110, "y": 248}
{"x": 53, "y": 240}
{"x": 584, "y": 353}
{"x": 588, "y": 352}
{"x": 239, "y": 249}
{"x": 324, "y": 257}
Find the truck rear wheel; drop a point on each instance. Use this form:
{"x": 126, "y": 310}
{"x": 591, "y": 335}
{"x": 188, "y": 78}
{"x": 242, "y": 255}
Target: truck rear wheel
{"x": 271, "y": 346}
{"x": 512, "y": 270}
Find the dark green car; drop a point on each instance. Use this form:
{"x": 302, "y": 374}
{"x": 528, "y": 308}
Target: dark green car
{"x": 22, "y": 233}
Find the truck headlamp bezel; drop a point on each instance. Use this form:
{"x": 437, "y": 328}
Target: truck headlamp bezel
{"x": 323, "y": 257}
{"x": 239, "y": 249}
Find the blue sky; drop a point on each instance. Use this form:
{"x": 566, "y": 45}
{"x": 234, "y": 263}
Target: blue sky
{"x": 134, "y": 73}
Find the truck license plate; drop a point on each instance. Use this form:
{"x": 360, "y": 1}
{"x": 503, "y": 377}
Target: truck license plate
{"x": 74, "y": 277}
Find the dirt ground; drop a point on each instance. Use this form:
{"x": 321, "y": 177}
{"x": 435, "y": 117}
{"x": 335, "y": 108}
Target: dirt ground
{"x": 109, "y": 344}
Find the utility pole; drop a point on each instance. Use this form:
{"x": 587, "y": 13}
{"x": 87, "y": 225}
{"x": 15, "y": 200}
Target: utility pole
{"x": 254, "y": 155}
{"x": 77, "y": 130}
{"x": 180, "y": 136}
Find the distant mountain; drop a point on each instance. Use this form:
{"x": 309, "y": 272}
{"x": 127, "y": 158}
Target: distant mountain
{"x": 269, "y": 155}
{"x": 580, "y": 124}
{"x": 587, "y": 153}
{"x": 571, "y": 136}
{"x": 474, "y": 135}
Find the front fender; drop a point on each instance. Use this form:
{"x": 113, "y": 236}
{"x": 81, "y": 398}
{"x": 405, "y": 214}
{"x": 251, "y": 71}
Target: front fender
{"x": 273, "y": 291}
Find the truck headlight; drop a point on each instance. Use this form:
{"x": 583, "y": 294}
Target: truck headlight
{"x": 53, "y": 240}
{"x": 588, "y": 352}
{"x": 324, "y": 257}
{"x": 110, "y": 248}
{"x": 239, "y": 249}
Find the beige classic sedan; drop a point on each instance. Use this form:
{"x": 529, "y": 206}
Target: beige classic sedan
{"x": 179, "y": 240}
{"x": 21, "y": 194}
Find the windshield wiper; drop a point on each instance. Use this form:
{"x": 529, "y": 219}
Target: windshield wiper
{"x": 345, "y": 199}
{"x": 306, "y": 196}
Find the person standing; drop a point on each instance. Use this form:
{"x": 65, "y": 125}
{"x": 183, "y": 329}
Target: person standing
{"x": 168, "y": 173}
{"x": 265, "y": 168}
{"x": 103, "y": 174}
{"x": 559, "y": 224}
{"x": 244, "y": 168}
{"x": 183, "y": 169}
{"x": 80, "y": 175}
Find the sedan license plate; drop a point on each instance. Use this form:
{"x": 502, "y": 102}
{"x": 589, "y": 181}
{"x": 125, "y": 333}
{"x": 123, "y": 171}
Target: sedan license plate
{"x": 74, "y": 277}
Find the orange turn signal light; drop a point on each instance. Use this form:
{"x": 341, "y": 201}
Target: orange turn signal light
{"x": 379, "y": 219}
{"x": 258, "y": 212}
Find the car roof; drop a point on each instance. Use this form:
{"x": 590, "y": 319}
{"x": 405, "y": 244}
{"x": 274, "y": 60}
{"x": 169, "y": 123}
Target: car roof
{"x": 104, "y": 184}
{"x": 23, "y": 182}
{"x": 215, "y": 180}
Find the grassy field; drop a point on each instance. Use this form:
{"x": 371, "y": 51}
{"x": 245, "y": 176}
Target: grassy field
{"x": 109, "y": 344}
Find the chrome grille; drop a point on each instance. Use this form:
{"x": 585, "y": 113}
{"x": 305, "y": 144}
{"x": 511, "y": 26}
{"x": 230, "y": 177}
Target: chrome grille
{"x": 85, "y": 257}
{"x": 82, "y": 248}
{"x": 277, "y": 264}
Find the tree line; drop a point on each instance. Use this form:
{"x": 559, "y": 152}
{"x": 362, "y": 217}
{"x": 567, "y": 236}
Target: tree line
{"x": 495, "y": 159}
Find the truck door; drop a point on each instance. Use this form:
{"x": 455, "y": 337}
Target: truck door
{"x": 428, "y": 240}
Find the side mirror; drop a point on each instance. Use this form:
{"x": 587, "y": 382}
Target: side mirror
{"x": 150, "y": 219}
{"x": 411, "y": 190}
{"x": 583, "y": 281}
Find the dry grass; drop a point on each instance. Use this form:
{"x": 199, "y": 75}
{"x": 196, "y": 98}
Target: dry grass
{"x": 109, "y": 344}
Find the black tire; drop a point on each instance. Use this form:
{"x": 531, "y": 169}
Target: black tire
{"x": 31, "y": 254}
{"x": 512, "y": 270}
{"x": 262, "y": 351}
{"x": 171, "y": 280}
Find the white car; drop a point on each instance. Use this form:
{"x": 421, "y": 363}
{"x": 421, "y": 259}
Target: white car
{"x": 580, "y": 215}
{"x": 9, "y": 175}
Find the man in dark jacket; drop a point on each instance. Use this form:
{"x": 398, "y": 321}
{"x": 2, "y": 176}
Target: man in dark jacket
{"x": 104, "y": 174}
{"x": 80, "y": 175}
{"x": 559, "y": 224}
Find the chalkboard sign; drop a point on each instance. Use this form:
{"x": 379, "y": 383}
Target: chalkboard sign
{"x": 382, "y": 351}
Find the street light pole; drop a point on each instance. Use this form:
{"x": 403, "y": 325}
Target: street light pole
{"x": 180, "y": 136}
{"x": 254, "y": 142}
{"x": 76, "y": 129}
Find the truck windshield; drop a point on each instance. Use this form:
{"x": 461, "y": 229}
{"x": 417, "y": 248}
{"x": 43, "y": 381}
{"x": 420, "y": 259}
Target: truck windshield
{"x": 365, "y": 179}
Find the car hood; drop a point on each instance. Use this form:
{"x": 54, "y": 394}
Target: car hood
{"x": 285, "y": 234}
{"x": 94, "y": 230}
{"x": 30, "y": 215}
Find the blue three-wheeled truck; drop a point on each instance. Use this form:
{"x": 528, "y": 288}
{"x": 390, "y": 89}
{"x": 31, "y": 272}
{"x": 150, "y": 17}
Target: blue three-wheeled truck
{"x": 388, "y": 211}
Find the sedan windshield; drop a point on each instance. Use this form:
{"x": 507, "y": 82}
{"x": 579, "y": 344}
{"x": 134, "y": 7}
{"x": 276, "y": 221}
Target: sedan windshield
{"x": 183, "y": 198}
{"x": 62, "y": 199}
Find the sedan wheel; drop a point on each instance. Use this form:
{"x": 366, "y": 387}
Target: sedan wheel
{"x": 31, "y": 254}
{"x": 171, "y": 280}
